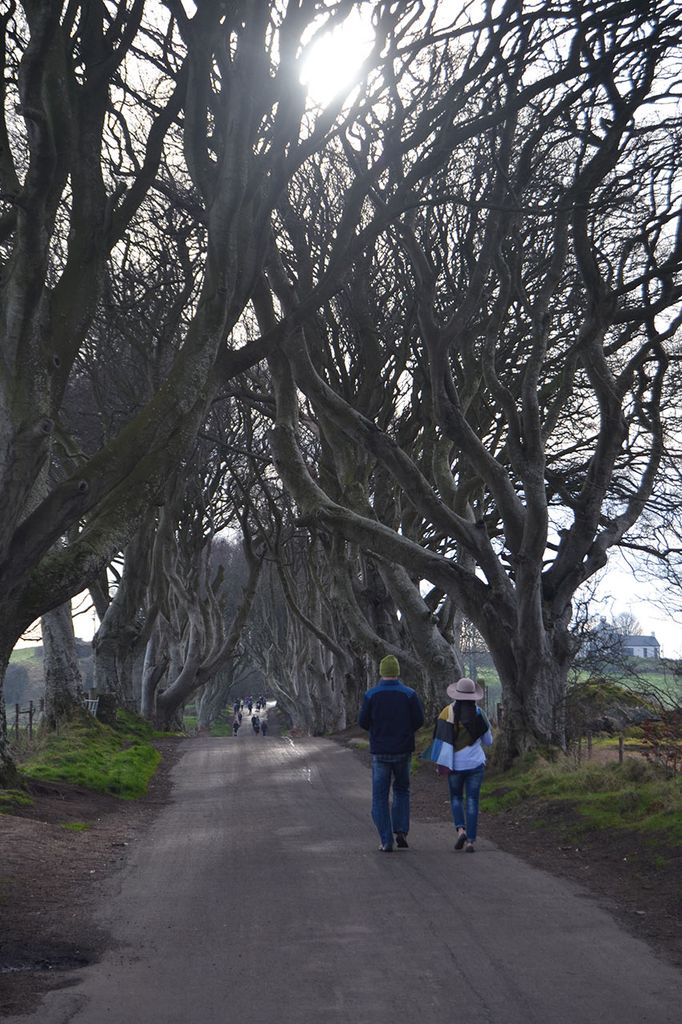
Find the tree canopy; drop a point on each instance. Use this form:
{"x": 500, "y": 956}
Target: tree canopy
{"x": 420, "y": 345}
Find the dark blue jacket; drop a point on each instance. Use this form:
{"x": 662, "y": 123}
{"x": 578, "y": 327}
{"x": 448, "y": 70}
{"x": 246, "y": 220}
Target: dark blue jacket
{"x": 392, "y": 713}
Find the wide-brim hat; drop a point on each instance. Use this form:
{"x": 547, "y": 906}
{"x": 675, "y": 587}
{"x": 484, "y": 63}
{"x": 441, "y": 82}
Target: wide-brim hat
{"x": 465, "y": 689}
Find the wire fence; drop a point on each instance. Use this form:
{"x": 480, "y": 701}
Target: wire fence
{"x": 24, "y": 719}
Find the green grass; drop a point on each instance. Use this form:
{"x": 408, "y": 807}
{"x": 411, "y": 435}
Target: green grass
{"x": 135, "y": 726}
{"x": 658, "y": 677}
{"x": 633, "y": 796}
{"x": 119, "y": 760}
{"x": 20, "y": 655}
{"x": 11, "y": 798}
{"x": 76, "y": 826}
{"x": 221, "y": 729}
{"x": 632, "y": 735}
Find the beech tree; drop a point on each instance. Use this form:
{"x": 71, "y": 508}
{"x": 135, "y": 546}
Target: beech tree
{"x": 543, "y": 262}
{"x": 466, "y": 281}
{"x": 104, "y": 104}
{"x": 63, "y": 679}
{"x": 291, "y": 639}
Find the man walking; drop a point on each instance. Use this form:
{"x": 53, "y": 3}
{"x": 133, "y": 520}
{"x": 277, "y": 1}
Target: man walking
{"x": 392, "y": 713}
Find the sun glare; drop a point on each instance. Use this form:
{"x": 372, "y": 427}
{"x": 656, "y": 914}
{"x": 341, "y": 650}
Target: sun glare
{"x": 333, "y": 62}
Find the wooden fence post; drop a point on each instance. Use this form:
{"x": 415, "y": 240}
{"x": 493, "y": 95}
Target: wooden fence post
{"x": 589, "y": 746}
{"x": 16, "y": 721}
{"x": 621, "y": 747}
{"x": 30, "y": 719}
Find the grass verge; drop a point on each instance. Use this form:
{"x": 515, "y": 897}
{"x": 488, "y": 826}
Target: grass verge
{"x": 633, "y": 796}
{"x": 119, "y": 760}
{"x": 12, "y": 798}
{"x": 221, "y": 728}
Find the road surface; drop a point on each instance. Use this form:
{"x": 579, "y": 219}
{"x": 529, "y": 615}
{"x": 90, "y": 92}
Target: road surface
{"x": 259, "y": 896}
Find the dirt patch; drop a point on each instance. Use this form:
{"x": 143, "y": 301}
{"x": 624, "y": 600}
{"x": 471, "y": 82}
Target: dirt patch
{"x": 635, "y": 876}
{"x": 56, "y": 854}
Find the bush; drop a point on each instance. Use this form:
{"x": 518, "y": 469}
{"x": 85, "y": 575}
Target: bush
{"x": 662, "y": 741}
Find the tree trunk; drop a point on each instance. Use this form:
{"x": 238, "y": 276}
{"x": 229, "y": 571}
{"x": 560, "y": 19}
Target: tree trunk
{"x": 441, "y": 664}
{"x": 533, "y": 693}
{"x": 356, "y": 682}
{"x": 119, "y": 639}
{"x": 8, "y": 769}
{"x": 114, "y": 651}
{"x": 214, "y": 697}
{"x": 154, "y": 669}
{"x": 105, "y": 668}
{"x": 169, "y": 702}
{"x": 63, "y": 679}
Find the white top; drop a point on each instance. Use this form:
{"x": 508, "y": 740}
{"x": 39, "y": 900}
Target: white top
{"x": 473, "y": 756}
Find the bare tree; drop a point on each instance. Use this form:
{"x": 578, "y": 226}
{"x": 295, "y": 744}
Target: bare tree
{"x": 63, "y": 679}
{"x": 546, "y": 293}
{"x": 104, "y": 107}
{"x": 466, "y": 280}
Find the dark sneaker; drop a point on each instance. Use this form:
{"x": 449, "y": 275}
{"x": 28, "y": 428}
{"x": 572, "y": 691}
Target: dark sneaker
{"x": 469, "y": 848}
{"x": 461, "y": 840}
{"x": 401, "y": 840}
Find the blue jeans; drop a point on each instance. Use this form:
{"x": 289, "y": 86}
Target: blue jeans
{"x": 385, "y": 767}
{"x": 471, "y": 782}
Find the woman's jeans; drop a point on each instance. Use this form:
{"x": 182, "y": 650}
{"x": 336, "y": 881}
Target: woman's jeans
{"x": 469, "y": 782}
{"x": 385, "y": 767}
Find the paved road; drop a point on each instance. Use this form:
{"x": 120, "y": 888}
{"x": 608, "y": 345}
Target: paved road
{"x": 259, "y": 897}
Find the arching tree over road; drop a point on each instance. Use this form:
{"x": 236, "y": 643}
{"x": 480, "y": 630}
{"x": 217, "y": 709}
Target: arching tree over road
{"x": 104, "y": 106}
{"x": 466, "y": 280}
{"x": 539, "y": 281}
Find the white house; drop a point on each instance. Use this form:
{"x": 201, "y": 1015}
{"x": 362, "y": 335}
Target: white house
{"x": 641, "y": 646}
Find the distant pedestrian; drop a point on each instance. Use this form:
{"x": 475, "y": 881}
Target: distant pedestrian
{"x": 263, "y": 723}
{"x": 392, "y": 713}
{"x": 461, "y": 732}
{"x": 235, "y": 725}
{"x": 255, "y": 722}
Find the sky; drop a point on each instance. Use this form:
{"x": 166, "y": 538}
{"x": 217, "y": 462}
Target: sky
{"x": 622, "y": 592}
{"x": 335, "y": 59}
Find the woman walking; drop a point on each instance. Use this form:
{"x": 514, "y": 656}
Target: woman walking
{"x": 461, "y": 732}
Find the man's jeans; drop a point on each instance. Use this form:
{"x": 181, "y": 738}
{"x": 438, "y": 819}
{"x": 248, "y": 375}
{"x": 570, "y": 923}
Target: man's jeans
{"x": 471, "y": 782}
{"x": 385, "y": 766}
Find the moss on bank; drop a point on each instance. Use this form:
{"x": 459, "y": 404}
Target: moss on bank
{"x": 119, "y": 760}
{"x": 631, "y": 796}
